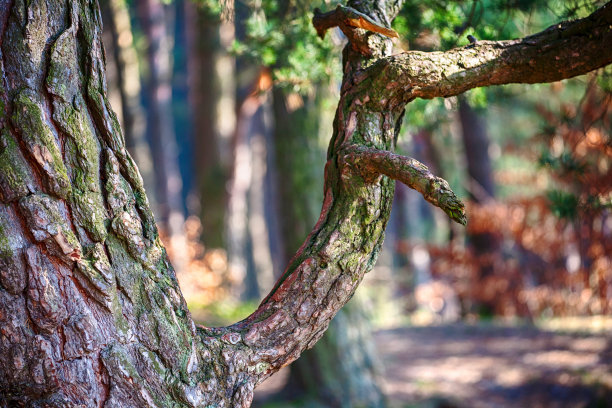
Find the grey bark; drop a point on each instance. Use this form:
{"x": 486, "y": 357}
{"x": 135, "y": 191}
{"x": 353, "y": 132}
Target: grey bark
{"x": 90, "y": 310}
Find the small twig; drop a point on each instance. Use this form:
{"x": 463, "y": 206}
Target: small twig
{"x": 409, "y": 171}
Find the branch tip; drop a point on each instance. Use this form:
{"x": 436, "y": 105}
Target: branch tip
{"x": 412, "y": 173}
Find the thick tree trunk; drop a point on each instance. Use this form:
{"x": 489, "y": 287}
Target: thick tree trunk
{"x": 90, "y": 310}
{"x": 91, "y": 313}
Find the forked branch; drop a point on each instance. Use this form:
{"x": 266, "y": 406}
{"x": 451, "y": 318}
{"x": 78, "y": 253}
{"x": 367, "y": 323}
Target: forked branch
{"x": 344, "y": 244}
{"x": 409, "y": 171}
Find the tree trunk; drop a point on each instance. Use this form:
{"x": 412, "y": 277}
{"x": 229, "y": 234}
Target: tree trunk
{"x": 90, "y": 310}
{"x": 341, "y": 370}
{"x": 153, "y": 16}
{"x": 482, "y": 189}
{"x": 212, "y": 94}
{"x": 242, "y": 202}
{"x": 476, "y": 146}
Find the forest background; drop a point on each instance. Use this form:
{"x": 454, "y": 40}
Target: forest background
{"x": 227, "y": 108}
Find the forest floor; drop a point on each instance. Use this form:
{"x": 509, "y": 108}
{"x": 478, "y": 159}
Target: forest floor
{"x": 488, "y": 365}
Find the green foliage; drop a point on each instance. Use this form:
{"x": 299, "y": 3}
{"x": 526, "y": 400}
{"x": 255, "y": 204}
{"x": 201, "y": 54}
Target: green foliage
{"x": 604, "y": 80}
{"x": 435, "y": 24}
{"x": 565, "y": 164}
{"x": 576, "y": 140}
{"x": 222, "y": 312}
{"x": 215, "y": 8}
{"x": 424, "y": 114}
{"x": 563, "y": 204}
{"x": 477, "y": 98}
{"x": 280, "y": 35}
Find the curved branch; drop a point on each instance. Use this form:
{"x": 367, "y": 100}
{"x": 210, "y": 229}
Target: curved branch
{"x": 344, "y": 244}
{"x": 562, "y": 51}
{"x": 409, "y": 171}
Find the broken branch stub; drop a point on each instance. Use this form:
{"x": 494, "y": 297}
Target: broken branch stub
{"x": 347, "y": 19}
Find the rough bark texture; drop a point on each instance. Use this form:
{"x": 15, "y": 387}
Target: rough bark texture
{"x": 341, "y": 370}
{"x": 561, "y": 51}
{"x": 90, "y": 310}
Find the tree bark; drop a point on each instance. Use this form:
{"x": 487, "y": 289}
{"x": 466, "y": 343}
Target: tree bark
{"x": 90, "y": 310}
{"x": 341, "y": 370}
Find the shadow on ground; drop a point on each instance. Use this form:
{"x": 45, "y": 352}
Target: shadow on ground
{"x": 490, "y": 366}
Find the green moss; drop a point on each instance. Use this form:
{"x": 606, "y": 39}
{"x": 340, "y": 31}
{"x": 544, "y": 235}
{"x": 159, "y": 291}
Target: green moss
{"x": 5, "y": 245}
{"x": 29, "y": 119}
{"x": 15, "y": 174}
{"x": 82, "y": 149}
{"x": 89, "y": 212}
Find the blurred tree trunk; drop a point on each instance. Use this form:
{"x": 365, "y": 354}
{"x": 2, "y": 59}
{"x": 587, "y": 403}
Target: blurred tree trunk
{"x": 212, "y": 95}
{"x": 341, "y": 370}
{"x": 155, "y": 19}
{"x": 248, "y": 251}
{"x": 126, "y": 67}
{"x": 476, "y": 145}
{"x": 398, "y": 232}
{"x": 247, "y": 235}
{"x": 481, "y": 189}
{"x": 259, "y": 234}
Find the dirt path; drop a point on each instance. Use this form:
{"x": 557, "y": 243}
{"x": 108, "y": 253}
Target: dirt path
{"x": 480, "y": 366}
{"x": 491, "y": 367}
